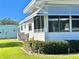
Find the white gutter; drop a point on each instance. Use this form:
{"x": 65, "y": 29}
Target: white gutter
{"x": 31, "y": 16}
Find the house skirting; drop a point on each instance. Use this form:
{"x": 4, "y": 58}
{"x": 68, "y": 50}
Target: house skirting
{"x": 62, "y": 36}
{"x": 56, "y": 36}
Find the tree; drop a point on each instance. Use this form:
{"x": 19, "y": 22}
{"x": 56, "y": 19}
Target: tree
{"x": 8, "y": 21}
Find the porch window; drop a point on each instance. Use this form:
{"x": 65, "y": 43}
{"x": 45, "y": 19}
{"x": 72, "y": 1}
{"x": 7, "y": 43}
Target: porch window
{"x": 30, "y": 27}
{"x": 53, "y": 26}
{"x": 75, "y": 23}
{"x": 64, "y": 24}
{"x": 58, "y": 24}
{"x": 38, "y": 24}
{"x": 21, "y": 27}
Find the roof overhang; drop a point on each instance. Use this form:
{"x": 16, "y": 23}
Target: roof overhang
{"x": 62, "y": 1}
{"x": 30, "y": 16}
{"x": 29, "y": 7}
{"x": 32, "y": 5}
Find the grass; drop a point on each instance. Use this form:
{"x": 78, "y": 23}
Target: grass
{"x": 10, "y": 49}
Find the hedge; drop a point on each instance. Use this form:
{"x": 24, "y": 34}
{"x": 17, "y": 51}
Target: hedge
{"x": 53, "y": 47}
{"x": 48, "y": 47}
{"x": 56, "y": 47}
{"x": 74, "y": 46}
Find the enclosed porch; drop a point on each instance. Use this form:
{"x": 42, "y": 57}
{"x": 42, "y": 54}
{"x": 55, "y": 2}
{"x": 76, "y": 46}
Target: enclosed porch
{"x": 56, "y": 27}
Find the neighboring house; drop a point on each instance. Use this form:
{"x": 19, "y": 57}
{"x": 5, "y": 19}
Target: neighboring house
{"x": 8, "y": 31}
{"x": 51, "y": 20}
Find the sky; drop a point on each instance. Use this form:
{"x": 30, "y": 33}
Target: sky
{"x": 13, "y": 9}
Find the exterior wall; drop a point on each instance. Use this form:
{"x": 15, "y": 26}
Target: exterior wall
{"x": 39, "y": 36}
{"x": 21, "y": 31}
{"x": 62, "y": 36}
{"x": 8, "y": 31}
{"x": 31, "y": 33}
{"x": 26, "y": 29}
{"x": 42, "y": 36}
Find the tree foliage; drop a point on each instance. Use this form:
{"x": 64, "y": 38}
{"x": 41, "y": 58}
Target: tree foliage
{"x": 8, "y": 21}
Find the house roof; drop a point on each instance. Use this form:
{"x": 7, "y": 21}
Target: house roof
{"x": 63, "y": 1}
{"x": 60, "y": 10}
{"x": 31, "y": 4}
{"x": 64, "y": 11}
{"x": 29, "y": 17}
{"x": 28, "y": 7}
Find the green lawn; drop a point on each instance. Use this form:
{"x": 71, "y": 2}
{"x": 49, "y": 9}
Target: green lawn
{"x": 10, "y": 49}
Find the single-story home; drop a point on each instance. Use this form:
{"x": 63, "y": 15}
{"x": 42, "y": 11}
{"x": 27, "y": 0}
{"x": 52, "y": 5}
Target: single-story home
{"x": 8, "y": 31}
{"x": 51, "y": 20}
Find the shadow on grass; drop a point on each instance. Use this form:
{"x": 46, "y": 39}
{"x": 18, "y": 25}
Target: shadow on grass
{"x": 11, "y": 44}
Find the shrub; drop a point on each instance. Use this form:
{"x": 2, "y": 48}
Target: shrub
{"x": 34, "y": 45}
{"x": 55, "y": 47}
{"x": 74, "y": 46}
{"x": 48, "y": 47}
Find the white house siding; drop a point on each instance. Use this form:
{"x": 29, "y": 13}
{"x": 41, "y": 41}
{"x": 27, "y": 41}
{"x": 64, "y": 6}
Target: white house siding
{"x": 8, "y": 31}
{"x": 21, "y": 25}
{"x": 31, "y": 33}
{"x": 26, "y": 31}
{"x": 25, "y": 28}
{"x": 39, "y": 36}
